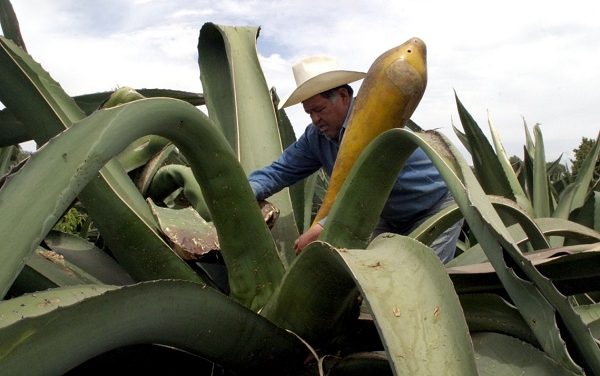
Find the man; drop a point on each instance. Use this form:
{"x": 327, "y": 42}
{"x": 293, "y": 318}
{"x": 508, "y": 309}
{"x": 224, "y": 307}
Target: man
{"x": 324, "y": 91}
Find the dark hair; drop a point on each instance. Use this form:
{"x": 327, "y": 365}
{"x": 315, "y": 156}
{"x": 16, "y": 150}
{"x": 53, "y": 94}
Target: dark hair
{"x": 332, "y": 92}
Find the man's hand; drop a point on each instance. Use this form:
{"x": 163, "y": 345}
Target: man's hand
{"x": 269, "y": 212}
{"x": 310, "y": 235}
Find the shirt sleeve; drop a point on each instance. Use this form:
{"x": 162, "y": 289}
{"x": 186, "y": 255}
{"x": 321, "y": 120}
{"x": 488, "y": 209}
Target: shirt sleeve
{"x": 295, "y": 163}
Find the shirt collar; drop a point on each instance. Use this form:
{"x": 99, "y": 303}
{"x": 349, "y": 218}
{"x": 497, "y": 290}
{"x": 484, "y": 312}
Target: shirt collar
{"x": 343, "y": 129}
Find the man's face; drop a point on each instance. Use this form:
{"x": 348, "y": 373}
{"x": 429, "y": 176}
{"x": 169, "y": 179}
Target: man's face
{"x": 328, "y": 114}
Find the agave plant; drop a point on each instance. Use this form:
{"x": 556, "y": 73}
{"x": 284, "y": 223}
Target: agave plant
{"x": 184, "y": 259}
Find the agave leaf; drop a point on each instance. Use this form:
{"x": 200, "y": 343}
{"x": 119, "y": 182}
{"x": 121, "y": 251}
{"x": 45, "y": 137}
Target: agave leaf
{"x": 431, "y": 228}
{"x": 486, "y": 163}
{"x": 141, "y": 151}
{"x": 464, "y": 140}
{"x": 589, "y": 214}
{"x": 499, "y": 354}
{"x": 297, "y": 190}
{"x": 572, "y": 269}
{"x": 419, "y": 319}
{"x": 53, "y": 264}
{"x": 541, "y": 191}
{"x": 47, "y": 269}
{"x": 79, "y": 152}
{"x": 92, "y": 102}
{"x": 485, "y": 312}
{"x": 527, "y": 174}
{"x": 529, "y": 143}
{"x": 33, "y": 96}
{"x": 590, "y": 314}
{"x": 191, "y": 236}
{"x": 548, "y": 226}
{"x": 302, "y": 198}
{"x": 12, "y": 131}
{"x": 358, "y": 364}
{"x": 517, "y": 190}
{"x": 564, "y": 205}
{"x": 47, "y": 326}
{"x": 169, "y": 178}
{"x": 111, "y": 199}
{"x": 316, "y": 297}
{"x": 10, "y": 23}
{"x": 88, "y": 257}
{"x": 151, "y": 168}
{"x": 315, "y": 187}
{"x": 563, "y": 227}
{"x": 536, "y": 298}
{"x": 239, "y": 101}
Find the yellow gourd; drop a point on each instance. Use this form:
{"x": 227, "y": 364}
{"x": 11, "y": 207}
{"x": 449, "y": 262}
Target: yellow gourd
{"x": 388, "y": 96}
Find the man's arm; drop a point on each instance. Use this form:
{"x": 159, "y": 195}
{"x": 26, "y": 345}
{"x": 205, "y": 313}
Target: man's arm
{"x": 295, "y": 163}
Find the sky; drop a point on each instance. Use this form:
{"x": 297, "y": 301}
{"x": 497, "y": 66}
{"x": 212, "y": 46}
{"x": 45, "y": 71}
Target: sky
{"x": 512, "y": 63}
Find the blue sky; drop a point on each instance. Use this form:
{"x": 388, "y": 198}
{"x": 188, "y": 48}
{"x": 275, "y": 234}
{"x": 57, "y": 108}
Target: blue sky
{"x": 510, "y": 61}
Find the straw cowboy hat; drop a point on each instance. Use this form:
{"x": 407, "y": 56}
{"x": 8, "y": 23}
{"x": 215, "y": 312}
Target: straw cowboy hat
{"x": 316, "y": 74}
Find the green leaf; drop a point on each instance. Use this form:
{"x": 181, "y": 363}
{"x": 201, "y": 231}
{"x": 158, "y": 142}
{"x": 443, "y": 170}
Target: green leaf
{"x": 529, "y": 144}
{"x": 72, "y": 159}
{"x": 486, "y": 163}
{"x": 498, "y": 354}
{"x": 464, "y": 140}
{"x": 240, "y": 103}
{"x": 541, "y": 191}
{"x": 190, "y": 235}
{"x": 359, "y": 364}
{"x": 419, "y": 319}
{"x": 88, "y": 257}
{"x": 573, "y": 270}
{"x": 301, "y": 193}
{"x": 589, "y": 214}
{"x": 565, "y": 201}
{"x": 151, "y": 168}
{"x": 111, "y": 198}
{"x": 517, "y": 190}
{"x": 170, "y": 178}
{"x": 10, "y": 23}
{"x": 12, "y": 131}
{"x": 590, "y": 314}
{"x": 350, "y": 222}
{"x": 485, "y": 312}
{"x": 92, "y": 102}
{"x": 535, "y": 297}
{"x": 317, "y": 298}
{"x": 431, "y": 228}
{"x": 141, "y": 151}
{"x": 48, "y": 327}
{"x": 48, "y": 269}
{"x": 549, "y": 227}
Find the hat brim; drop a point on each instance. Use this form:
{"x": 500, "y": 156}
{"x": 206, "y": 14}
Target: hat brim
{"x": 321, "y": 83}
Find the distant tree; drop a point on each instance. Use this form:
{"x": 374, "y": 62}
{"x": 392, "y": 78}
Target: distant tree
{"x": 581, "y": 152}
{"x": 10, "y": 156}
{"x": 19, "y": 154}
{"x": 515, "y": 162}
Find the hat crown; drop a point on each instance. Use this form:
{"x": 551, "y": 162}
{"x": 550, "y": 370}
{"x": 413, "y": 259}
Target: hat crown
{"x": 313, "y": 66}
{"x": 316, "y": 74}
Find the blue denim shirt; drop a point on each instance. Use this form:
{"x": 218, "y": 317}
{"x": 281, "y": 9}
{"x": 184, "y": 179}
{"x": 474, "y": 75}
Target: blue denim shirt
{"x": 418, "y": 187}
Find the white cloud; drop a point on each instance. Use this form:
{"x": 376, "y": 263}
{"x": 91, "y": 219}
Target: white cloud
{"x": 534, "y": 60}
